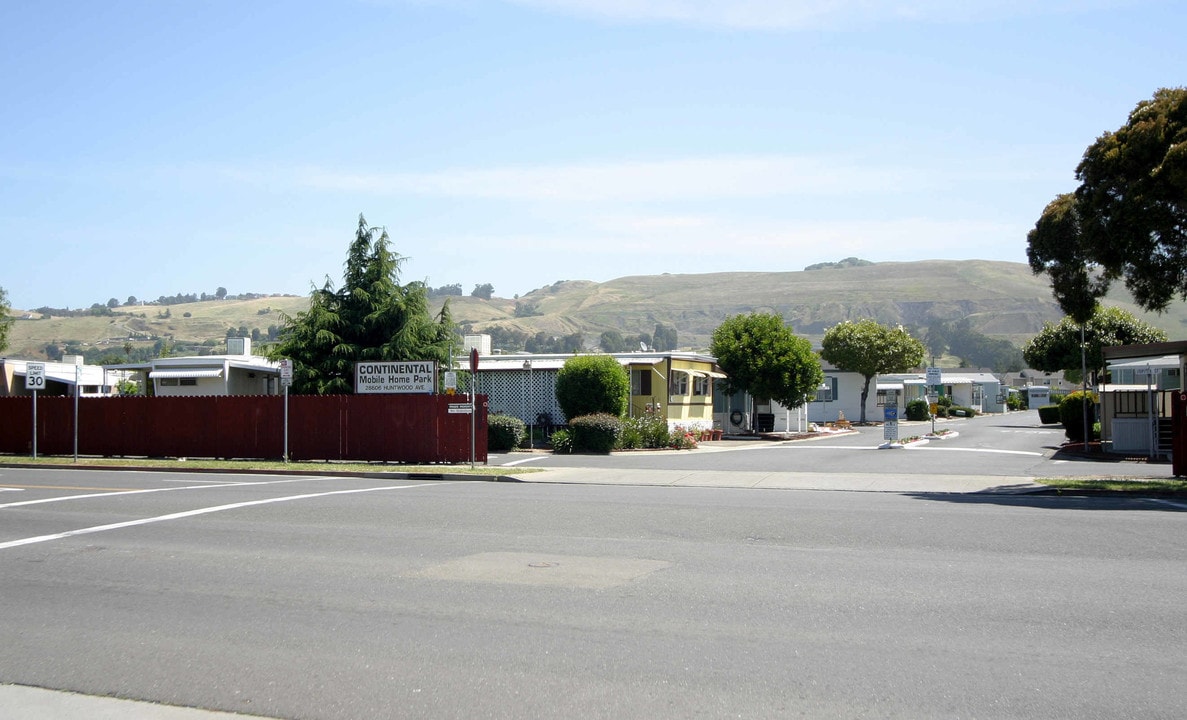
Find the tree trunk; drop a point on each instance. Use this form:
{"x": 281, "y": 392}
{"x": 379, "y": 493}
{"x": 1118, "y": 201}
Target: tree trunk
{"x": 865, "y": 393}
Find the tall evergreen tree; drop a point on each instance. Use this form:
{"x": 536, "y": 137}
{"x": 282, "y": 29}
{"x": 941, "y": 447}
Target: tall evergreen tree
{"x": 5, "y": 321}
{"x": 372, "y": 317}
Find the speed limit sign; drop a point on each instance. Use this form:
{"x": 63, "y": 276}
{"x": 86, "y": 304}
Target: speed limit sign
{"x": 35, "y": 376}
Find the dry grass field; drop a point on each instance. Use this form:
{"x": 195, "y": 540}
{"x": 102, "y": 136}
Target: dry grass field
{"x": 1001, "y": 299}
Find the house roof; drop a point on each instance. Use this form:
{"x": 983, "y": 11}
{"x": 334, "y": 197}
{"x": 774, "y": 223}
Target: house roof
{"x": 62, "y": 372}
{"x": 557, "y": 360}
{"x": 1166, "y": 361}
{"x": 1118, "y": 352}
{"x": 201, "y": 362}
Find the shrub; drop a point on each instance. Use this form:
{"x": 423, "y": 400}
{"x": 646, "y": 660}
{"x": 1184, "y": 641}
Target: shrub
{"x": 503, "y": 432}
{"x": 1049, "y": 415}
{"x": 962, "y": 411}
{"x": 683, "y": 439}
{"x": 1016, "y": 401}
{"x": 592, "y": 384}
{"x": 648, "y": 431}
{"x": 918, "y": 410}
{"x": 562, "y": 442}
{"x": 598, "y": 433}
{"x": 1071, "y": 413}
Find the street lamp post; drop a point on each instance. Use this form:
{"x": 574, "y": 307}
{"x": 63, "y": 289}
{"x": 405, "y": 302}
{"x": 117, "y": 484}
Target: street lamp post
{"x": 527, "y": 365}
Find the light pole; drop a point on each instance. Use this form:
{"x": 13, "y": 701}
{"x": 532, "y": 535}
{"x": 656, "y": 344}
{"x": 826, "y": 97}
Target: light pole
{"x": 527, "y": 365}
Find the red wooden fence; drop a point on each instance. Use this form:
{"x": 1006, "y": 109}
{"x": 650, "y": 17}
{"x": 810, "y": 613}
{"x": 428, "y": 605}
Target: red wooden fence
{"x": 392, "y": 428}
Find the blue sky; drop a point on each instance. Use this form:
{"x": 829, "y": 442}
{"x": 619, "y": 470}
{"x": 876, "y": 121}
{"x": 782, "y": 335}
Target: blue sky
{"x": 151, "y": 147}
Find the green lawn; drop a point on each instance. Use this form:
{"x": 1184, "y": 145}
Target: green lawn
{"x": 1117, "y": 485}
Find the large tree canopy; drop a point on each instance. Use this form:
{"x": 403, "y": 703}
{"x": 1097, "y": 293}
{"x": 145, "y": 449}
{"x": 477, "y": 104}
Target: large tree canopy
{"x": 762, "y": 356}
{"x": 868, "y": 348}
{"x": 1057, "y": 347}
{"x": 372, "y": 317}
{"x": 1128, "y": 217}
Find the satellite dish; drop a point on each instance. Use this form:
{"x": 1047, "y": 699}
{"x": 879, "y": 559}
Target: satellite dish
{"x": 642, "y": 346}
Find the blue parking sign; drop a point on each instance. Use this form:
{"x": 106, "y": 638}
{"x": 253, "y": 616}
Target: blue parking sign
{"x": 890, "y": 413}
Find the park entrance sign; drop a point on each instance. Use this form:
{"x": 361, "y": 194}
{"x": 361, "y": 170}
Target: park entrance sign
{"x": 410, "y": 376}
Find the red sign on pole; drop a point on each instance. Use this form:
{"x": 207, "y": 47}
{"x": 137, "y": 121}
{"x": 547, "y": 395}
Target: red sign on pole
{"x": 473, "y": 359}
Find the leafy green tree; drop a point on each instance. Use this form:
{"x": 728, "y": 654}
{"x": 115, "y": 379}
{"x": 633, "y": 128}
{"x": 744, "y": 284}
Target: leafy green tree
{"x": 664, "y": 337}
{"x": 5, "y": 320}
{"x": 221, "y": 293}
{"x": 1056, "y": 246}
{"x": 573, "y": 343}
{"x": 589, "y": 384}
{"x": 764, "y": 357}
{"x": 1057, "y": 347}
{"x": 938, "y": 336}
{"x": 485, "y": 291}
{"x": 611, "y": 341}
{"x": 868, "y": 348}
{"x": 1128, "y": 217}
{"x": 372, "y": 317}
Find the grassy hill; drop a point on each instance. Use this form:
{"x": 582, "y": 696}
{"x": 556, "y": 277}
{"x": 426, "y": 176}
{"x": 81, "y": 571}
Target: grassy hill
{"x": 1001, "y": 299}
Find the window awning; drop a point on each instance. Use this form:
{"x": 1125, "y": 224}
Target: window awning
{"x": 191, "y": 373}
{"x": 690, "y": 373}
{"x": 714, "y": 374}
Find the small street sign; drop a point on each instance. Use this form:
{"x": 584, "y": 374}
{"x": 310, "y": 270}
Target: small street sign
{"x": 286, "y": 372}
{"x": 890, "y": 430}
{"x": 934, "y": 376}
{"x": 459, "y": 408}
{"x": 889, "y": 413}
{"x": 35, "y": 376}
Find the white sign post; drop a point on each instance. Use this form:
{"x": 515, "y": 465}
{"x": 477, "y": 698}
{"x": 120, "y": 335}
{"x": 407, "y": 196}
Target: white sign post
{"x": 35, "y": 381}
{"x": 890, "y": 423}
{"x": 286, "y": 379}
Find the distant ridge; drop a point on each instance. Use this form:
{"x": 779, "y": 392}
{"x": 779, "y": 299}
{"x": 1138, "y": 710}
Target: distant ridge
{"x": 1001, "y": 299}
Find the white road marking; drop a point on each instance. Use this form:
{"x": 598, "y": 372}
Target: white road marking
{"x": 199, "y": 511}
{"x": 525, "y": 460}
{"x": 118, "y": 493}
{"x": 982, "y": 450}
{"x": 11, "y": 490}
{"x": 928, "y": 448}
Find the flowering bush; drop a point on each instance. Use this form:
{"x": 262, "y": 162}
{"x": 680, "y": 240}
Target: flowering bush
{"x": 683, "y": 439}
{"x": 648, "y": 431}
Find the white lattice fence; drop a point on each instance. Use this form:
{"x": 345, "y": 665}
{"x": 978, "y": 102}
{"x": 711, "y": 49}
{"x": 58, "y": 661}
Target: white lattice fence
{"x": 511, "y": 394}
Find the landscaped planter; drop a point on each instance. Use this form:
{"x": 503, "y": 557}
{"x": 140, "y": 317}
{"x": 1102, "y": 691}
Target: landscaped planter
{"x": 945, "y": 435}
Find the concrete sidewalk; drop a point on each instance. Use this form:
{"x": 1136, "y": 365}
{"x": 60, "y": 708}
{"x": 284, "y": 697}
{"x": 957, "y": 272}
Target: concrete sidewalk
{"x": 31, "y": 703}
{"x": 855, "y": 482}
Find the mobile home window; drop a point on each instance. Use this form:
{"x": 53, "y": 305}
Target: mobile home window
{"x": 678, "y": 385}
{"x": 641, "y": 382}
{"x": 700, "y": 386}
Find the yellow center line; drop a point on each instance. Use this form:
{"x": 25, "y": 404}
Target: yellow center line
{"x": 67, "y": 487}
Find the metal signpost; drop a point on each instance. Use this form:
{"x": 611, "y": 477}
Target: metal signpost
{"x": 473, "y": 405}
{"x": 935, "y": 379}
{"x": 35, "y": 381}
{"x": 77, "y": 392}
{"x": 286, "y": 379}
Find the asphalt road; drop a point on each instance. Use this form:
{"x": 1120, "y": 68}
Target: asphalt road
{"x": 355, "y": 598}
{"x": 1015, "y": 444}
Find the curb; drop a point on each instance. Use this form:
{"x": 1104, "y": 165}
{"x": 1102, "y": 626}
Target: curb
{"x": 378, "y": 475}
